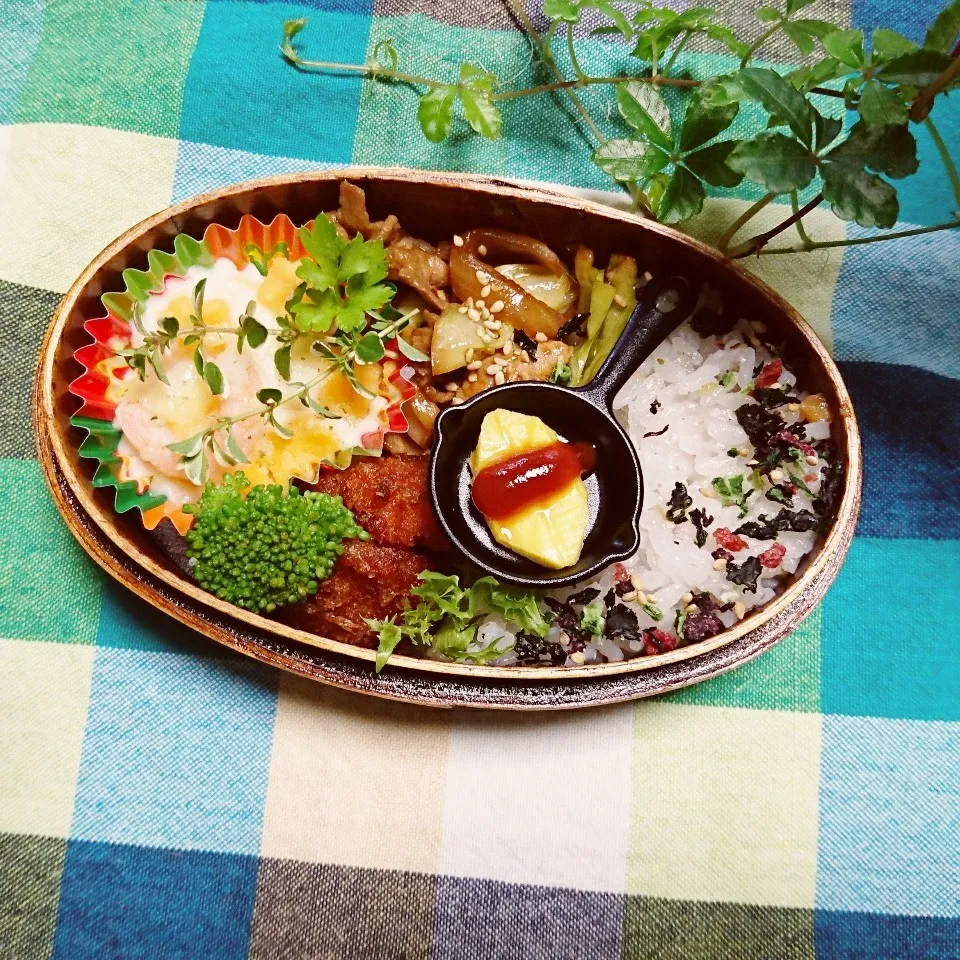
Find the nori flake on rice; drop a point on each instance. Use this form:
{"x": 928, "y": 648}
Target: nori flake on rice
{"x": 679, "y": 502}
{"x": 701, "y": 521}
{"x": 534, "y": 651}
{"x": 760, "y": 424}
{"x": 745, "y": 574}
{"x": 767, "y": 528}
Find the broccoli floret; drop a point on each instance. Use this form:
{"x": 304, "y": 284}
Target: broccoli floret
{"x": 269, "y": 548}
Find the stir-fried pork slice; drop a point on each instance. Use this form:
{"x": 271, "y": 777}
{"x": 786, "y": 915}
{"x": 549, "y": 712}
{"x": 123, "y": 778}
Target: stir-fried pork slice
{"x": 369, "y": 581}
{"x": 417, "y": 264}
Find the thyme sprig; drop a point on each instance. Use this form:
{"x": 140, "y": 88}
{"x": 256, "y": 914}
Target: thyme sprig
{"x": 672, "y": 153}
{"x": 341, "y": 352}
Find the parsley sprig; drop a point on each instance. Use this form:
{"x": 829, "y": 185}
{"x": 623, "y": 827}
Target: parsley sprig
{"x": 342, "y": 283}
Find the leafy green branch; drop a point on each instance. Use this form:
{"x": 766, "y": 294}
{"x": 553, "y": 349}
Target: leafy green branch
{"x": 672, "y": 152}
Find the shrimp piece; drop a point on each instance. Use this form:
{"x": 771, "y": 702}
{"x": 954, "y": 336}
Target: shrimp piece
{"x": 149, "y": 437}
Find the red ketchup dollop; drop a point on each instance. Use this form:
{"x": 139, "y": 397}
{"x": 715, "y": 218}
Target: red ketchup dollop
{"x": 504, "y": 489}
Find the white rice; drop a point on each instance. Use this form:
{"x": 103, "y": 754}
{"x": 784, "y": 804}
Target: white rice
{"x": 683, "y": 377}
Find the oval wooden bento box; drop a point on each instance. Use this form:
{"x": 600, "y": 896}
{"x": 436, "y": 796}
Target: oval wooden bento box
{"x": 433, "y": 206}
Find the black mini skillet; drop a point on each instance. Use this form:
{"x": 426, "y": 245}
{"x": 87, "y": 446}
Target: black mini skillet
{"x": 614, "y": 489}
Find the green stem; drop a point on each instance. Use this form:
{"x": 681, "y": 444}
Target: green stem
{"x": 857, "y": 241}
{"x": 225, "y": 423}
{"x": 543, "y": 47}
{"x": 748, "y": 214}
{"x": 795, "y": 203}
{"x": 759, "y": 42}
{"x": 948, "y": 163}
{"x": 757, "y": 243}
{"x": 585, "y": 81}
{"x": 572, "y": 53}
{"x": 363, "y": 68}
{"x": 676, "y": 51}
{"x": 544, "y": 50}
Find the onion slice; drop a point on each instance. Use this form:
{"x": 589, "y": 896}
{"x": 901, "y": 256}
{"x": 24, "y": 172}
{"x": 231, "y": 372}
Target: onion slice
{"x": 470, "y": 273}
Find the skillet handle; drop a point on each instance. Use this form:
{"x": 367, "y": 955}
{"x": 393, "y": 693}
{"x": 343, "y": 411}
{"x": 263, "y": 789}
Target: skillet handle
{"x": 654, "y": 318}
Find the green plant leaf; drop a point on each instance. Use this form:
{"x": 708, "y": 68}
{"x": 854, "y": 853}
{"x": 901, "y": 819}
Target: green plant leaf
{"x": 888, "y": 44}
{"x": 411, "y": 352}
{"x": 390, "y": 636}
{"x": 943, "y": 32}
{"x": 616, "y": 16}
{"x": 888, "y": 150}
{"x": 170, "y": 326}
{"x": 682, "y": 199}
{"x": 363, "y": 297}
{"x": 222, "y": 456}
{"x": 817, "y": 74}
{"x": 320, "y": 275}
{"x": 815, "y": 28}
{"x": 362, "y": 262}
{"x": 794, "y": 5}
{"x": 435, "y": 113}
{"x": 779, "y": 98}
{"x": 323, "y": 243}
{"x": 627, "y": 160}
{"x": 846, "y": 46}
{"x": 702, "y": 122}
{"x": 198, "y": 292}
{"x": 917, "y": 69}
{"x": 710, "y": 164}
{"x": 369, "y": 348}
{"x": 254, "y": 331}
{"x": 476, "y": 77}
{"x": 801, "y": 39}
{"x": 769, "y": 14}
{"x": 234, "y": 448}
{"x": 292, "y": 27}
{"x": 728, "y": 38}
{"x": 481, "y": 112}
{"x": 196, "y": 468}
{"x": 214, "y": 377}
{"x": 566, "y": 10}
{"x": 859, "y": 196}
{"x": 880, "y": 106}
{"x": 319, "y": 408}
{"x": 317, "y": 313}
{"x": 281, "y": 360}
{"x": 189, "y": 447}
{"x": 775, "y": 161}
{"x": 278, "y": 426}
{"x": 827, "y": 130}
{"x": 269, "y": 395}
{"x": 645, "y": 111}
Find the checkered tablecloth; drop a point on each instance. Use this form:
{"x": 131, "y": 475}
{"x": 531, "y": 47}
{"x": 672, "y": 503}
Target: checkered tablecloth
{"x": 162, "y": 799}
